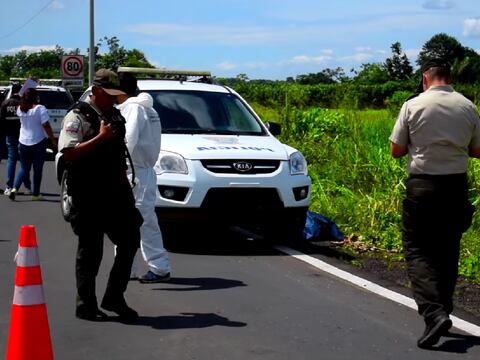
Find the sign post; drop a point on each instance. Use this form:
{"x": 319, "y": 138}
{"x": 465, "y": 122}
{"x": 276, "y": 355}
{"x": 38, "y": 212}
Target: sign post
{"x": 72, "y": 70}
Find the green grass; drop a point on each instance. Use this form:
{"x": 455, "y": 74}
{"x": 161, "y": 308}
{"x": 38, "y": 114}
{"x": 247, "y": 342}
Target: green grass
{"x": 356, "y": 182}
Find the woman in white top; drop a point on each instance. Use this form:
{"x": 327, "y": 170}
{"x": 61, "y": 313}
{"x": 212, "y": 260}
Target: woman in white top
{"x": 34, "y": 130}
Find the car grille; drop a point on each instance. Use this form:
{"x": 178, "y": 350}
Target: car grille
{"x": 242, "y": 200}
{"x": 246, "y": 167}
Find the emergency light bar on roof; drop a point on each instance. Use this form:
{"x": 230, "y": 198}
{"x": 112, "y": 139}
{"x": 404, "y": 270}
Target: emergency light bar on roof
{"x": 168, "y": 74}
{"x": 55, "y": 82}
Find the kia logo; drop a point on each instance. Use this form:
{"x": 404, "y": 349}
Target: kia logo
{"x": 242, "y": 166}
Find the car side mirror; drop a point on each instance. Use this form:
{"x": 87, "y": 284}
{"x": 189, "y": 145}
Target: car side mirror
{"x": 274, "y": 128}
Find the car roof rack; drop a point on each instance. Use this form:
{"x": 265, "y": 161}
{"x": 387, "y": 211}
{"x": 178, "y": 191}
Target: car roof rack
{"x": 168, "y": 74}
{"x": 53, "y": 82}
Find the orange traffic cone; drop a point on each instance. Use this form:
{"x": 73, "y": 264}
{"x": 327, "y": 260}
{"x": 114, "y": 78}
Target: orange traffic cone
{"x": 29, "y": 336}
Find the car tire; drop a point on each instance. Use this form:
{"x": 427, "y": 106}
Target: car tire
{"x": 65, "y": 199}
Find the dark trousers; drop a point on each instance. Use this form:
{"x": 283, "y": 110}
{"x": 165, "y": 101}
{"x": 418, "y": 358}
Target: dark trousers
{"x": 31, "y": 156}
{"x": 123, "y": 232}
{"x": 12, "y": 147}
{"x": 436, "y": 212}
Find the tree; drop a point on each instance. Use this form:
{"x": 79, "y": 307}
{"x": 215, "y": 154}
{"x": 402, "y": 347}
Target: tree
{"x": 398, "y": 66}
{"x": 467, "y": 70}
{"x": 336, "y": 75}
{"x": 371, "y": 74}
{"x": 441, "y": 46}
{"x": 7, "y": 63}
{"x": 44, "y": 64}
{"x": 465, "y": 62}
{"x": 326, "y": 76}
{"x": 242, "y": 78}
{"x": 314, "y": 78}
{"x": 119, "y": 56}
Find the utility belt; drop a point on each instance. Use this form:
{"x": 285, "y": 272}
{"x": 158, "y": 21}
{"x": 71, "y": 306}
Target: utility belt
{"x": 442, "y": 177}
{"x": 444, "y": 180}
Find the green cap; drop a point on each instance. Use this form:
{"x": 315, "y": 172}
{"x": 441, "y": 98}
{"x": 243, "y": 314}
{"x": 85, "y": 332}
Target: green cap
{"x": 108, "y": 81}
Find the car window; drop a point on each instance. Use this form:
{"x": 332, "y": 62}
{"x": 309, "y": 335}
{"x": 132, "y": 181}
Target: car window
{"x": 204, "y": 112}
{"x": 55, "y": 99}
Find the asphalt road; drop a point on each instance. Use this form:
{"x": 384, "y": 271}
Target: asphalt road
{"x": 229, "y": 299}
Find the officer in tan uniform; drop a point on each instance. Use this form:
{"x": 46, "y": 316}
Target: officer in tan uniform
{"x": 93, "y": 147}
{"x": 438, "y": 129}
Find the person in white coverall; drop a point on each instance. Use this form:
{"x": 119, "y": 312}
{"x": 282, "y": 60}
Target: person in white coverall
{"x": 143, "y": 132}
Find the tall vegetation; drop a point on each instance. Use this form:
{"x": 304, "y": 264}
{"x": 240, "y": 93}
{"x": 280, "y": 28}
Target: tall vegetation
{"x": 356, "y": 182}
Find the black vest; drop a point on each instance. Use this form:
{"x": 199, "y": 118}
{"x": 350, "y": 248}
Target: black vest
{"x": 103, "y": 171}
{"x": 9, "y": 121}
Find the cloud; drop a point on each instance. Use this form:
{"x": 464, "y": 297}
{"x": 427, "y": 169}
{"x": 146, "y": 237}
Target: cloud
{"x": 471, "y": 27}
{"x": 256, "y": 65}
{"x": 305, "y": 59}
{"x": 412, "y": 54}
{"x": 364, "y": 53}
{"x": 226, "y": 65}
{"x": 160, "y": 34}
{"x": 438, "y": 5}
{"x": 236, "y": 35}
{"x": 358, "y": 57}
{"x": 57, "y": 5}
{"x": 325, "y": 56}
{"x": 363, "y": 49}
{"x": 29, "y": 49}
{"x": 207, "y": 34}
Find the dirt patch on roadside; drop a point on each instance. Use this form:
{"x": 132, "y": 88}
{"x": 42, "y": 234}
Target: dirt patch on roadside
{"x": 466, "y": 297}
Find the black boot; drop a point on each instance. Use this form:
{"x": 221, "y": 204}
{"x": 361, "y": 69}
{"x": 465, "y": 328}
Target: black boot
{"x": 434, "y": 329}
{"x": 120, "y": 307}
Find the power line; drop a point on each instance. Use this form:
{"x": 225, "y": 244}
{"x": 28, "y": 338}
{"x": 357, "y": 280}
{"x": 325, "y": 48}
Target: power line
{"x": 28, "y": 21}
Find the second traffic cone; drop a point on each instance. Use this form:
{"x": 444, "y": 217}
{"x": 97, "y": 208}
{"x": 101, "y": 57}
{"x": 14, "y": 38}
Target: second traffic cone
{"x": 29, "y": 336}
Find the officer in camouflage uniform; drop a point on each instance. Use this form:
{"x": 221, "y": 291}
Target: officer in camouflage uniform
{"x": 93, "y": 147}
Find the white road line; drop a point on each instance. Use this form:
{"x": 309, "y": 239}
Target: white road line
{"x": 372, "y": 287}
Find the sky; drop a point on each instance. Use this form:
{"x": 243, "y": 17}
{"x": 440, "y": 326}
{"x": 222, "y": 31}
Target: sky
{"x": 264, "y": 39}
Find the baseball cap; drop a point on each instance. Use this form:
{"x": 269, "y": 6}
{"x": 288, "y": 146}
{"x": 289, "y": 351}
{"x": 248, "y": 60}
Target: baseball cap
{"x": 108, "y": 81}
{"x": 434, "y": 62}
{"x": 427, "y": 65}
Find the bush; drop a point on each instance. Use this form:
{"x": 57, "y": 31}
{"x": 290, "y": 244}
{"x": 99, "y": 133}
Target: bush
{"x": 395, "y": 102}
{"x": 318, "y": 124}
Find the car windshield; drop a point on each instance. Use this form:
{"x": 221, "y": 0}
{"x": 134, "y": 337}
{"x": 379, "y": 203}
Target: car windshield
{"x": 196, "y": 112}
{"x": 55, "y": 99}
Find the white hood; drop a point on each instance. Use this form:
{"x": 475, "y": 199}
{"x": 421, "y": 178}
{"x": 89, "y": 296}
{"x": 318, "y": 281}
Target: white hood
{"x": 196, "y": 147}
{"x": 143, "y": 99}
{"x": 143, "y": 130}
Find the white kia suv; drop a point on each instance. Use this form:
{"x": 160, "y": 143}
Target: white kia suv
{"x": 219, "y": 163}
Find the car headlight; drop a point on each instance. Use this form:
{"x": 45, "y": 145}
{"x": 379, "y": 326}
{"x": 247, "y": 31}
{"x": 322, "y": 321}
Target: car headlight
{"x": 298, "y": 164}
{"x": 169, "y": 162}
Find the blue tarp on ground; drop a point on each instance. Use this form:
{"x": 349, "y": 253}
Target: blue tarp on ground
{"x": 321, "y": 228}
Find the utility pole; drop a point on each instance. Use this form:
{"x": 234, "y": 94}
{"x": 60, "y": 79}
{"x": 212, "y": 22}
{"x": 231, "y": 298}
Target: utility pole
{"x": 91, "y": 52}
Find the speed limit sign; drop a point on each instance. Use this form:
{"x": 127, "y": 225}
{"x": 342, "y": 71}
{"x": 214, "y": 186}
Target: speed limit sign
{"x": 72, "y": 66}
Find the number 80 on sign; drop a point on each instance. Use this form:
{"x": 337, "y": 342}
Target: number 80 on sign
{"x": 72, "y": 66}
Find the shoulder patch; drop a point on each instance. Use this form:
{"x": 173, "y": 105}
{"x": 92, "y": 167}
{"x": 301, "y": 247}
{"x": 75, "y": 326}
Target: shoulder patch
{"x": 73, "y": 126}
